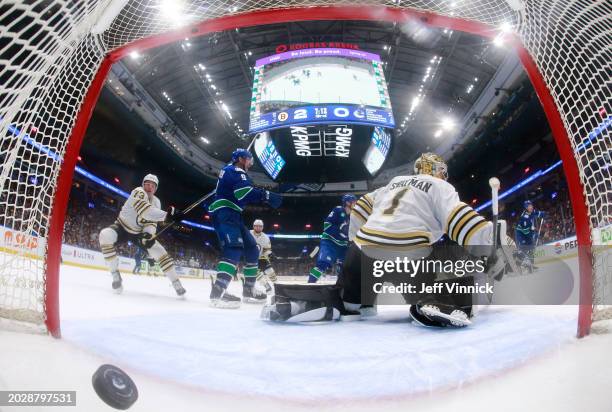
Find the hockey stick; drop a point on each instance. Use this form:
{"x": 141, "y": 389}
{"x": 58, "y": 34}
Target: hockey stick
{"x": 494, "y": 183}
{"x": 187, "y": 210}
{"x": 197, "y": 202}
{"x": 314, "y": 252}
{"x": 507, "y": 253}
{"x": 539, "y": 231}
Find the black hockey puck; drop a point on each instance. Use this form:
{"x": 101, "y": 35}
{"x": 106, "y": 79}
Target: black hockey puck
{"x": 114, "y": 387}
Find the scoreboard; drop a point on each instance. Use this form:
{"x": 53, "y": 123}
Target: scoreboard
{"x": 323, "y": 153}
{"x": 321, "y": 115}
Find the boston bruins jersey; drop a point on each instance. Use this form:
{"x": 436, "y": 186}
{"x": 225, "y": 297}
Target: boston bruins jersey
{"x": 141, "y": 213}
{"x": 414, "y": 211}
{"x": 263, "y": 243}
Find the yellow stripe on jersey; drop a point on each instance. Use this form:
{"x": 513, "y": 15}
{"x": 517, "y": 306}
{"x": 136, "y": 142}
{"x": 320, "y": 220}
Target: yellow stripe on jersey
{"x": 466, "y": 221}
{"x": 368, "y": 200}
{"x": 472, "y": 231}
{"x": 460, "y": 207}
{"x": 362, "y": 203}
{"x": 356, "y": 213}
{"x": 364, "y": 213}
{"x": 467, "y": 217}
{"x": 139, "y": 206}
{"x": 395, "y": 236}
{"x": 396, "y": 246}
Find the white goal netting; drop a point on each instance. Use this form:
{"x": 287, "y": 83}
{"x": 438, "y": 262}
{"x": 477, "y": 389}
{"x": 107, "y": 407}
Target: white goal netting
{"x": 51, "y": 50}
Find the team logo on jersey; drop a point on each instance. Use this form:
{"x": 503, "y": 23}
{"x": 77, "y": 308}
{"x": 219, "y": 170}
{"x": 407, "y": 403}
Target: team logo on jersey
{"x": 283, "y": 116}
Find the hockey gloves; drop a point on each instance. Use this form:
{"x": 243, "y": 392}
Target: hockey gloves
{"x": 146, "y": 240}
{"x": 273, "y": 199}
{"x": 174, "y": 215}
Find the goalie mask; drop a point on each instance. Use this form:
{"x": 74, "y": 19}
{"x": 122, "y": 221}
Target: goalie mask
{"x": 431, "y": 164}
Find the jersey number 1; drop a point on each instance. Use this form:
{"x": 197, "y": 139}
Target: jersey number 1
{"x": 395, "y": 202}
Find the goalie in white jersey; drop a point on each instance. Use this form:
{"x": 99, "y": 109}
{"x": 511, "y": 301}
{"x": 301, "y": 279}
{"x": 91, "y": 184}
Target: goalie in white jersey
{"x": 405, "y": 217}
{"x": 266, "y": 271}
{"x": 137, "y": 221}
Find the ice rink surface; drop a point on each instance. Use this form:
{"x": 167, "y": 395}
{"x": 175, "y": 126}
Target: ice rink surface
{"x": 184, "y": 355}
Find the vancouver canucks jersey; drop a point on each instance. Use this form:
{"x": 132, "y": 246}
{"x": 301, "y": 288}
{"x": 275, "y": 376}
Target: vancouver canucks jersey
{"x": 416, "y": 210}
{"x": 235, "y": 190}
{"x": 335, "y": 226}
{"x": 526, "y": 224}
{"x": 140, "y": 213}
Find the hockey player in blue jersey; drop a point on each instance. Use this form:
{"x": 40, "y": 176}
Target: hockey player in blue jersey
{"x": 234, "y": 191}
{"x": 526, "y": 234}
{"x": 334, "y": 240}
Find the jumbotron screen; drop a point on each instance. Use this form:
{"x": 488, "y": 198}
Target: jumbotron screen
{"x": 319, "y": 86}
{"x": 335, "y": 152}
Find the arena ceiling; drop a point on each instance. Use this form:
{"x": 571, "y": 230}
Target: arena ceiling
{"x": 198, "y": 81}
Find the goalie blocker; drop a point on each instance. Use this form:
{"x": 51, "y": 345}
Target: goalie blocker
{"x": 307, "y": 303}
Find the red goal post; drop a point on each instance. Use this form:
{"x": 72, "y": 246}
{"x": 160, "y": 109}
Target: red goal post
{"x": 55, "y": 56}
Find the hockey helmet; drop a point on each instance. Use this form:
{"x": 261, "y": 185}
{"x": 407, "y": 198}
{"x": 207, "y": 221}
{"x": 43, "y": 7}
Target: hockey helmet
{"x": 151, "y": 178}
{"x": 527, "y": 203}
{"x": 431, "y": 164}
{"x": 258, "y": 222}
{"x": 238, "y": 153}
{"x": 348, "y": 199}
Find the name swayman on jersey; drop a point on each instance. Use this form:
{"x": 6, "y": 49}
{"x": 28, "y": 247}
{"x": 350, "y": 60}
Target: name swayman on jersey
{"x": 416, "y": 210}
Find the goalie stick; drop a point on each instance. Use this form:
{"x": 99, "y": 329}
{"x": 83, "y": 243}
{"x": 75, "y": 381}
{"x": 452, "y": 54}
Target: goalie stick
{"x": 507, "y": 253}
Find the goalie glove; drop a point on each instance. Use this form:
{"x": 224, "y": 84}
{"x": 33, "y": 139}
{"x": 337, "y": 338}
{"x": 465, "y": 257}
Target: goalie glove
{"x": 146, "y": 240}
{"x": 174, "y": 215}
{"x": 273, "y": 199}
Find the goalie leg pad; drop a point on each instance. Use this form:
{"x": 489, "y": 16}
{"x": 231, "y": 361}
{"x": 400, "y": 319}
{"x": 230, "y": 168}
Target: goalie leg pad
{"x": 304, "y": 303}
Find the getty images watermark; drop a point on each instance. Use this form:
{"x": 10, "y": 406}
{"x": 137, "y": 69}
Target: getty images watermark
{"x": 410, "y": 268}
{"x": 546, "y": 275}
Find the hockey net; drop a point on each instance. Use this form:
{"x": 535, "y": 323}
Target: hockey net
{"x": 52, "y": 51}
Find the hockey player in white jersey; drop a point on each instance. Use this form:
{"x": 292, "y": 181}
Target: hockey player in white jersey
{"x": 406, "y": 216}
{"x": 267, "y": 274}
{"x": 137, "y": 221}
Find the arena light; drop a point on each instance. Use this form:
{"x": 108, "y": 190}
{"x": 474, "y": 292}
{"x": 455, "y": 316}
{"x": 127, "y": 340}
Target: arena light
{"x": 134, "y": 55}
{"x": 172, "y": 11}
{"x": 521, "y": 184}
{"x": 438, "y": 133}
{"x": 448, "y": 123}
{"x": 205, "y": 140}
{"x": 505, "y": 27}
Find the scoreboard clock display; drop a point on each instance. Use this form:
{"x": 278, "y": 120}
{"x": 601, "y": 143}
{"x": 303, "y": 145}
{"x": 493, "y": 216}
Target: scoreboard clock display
{"x": 323, "y": 153}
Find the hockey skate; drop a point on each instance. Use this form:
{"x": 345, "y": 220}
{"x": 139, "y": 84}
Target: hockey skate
{"x": 219, "y": 298}
{"x": 250, "y": 294}
{"x": 439, "y": 315}
{"x": 117, "y": 282}
{"x": 178, "y": 287}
